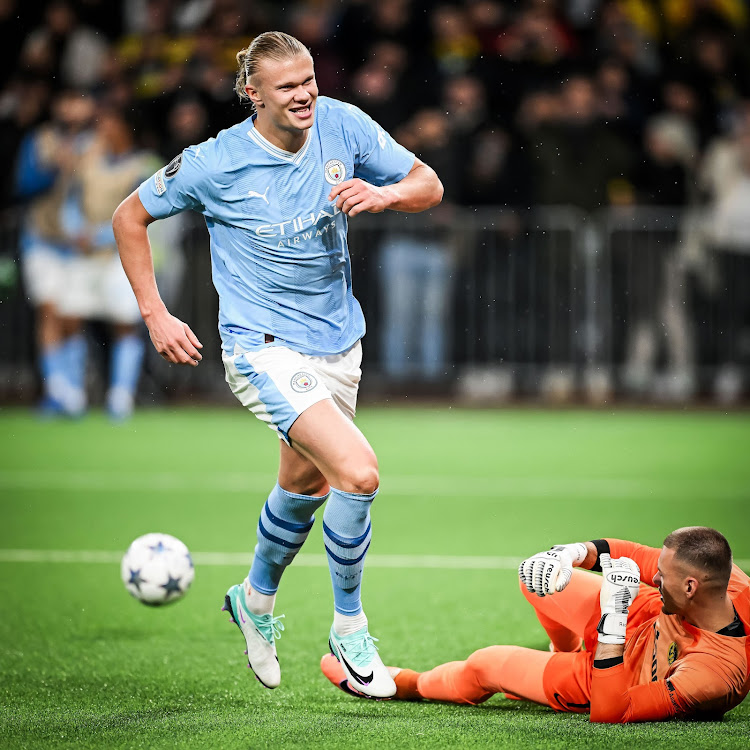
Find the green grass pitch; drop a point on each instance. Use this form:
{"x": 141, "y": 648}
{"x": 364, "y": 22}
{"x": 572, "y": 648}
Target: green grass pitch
{"x": 82, "y": 665}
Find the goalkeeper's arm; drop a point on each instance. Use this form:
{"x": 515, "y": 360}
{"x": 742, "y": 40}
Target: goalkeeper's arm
{"x": 551, "y": 570}
{"x": 609, "y": 695}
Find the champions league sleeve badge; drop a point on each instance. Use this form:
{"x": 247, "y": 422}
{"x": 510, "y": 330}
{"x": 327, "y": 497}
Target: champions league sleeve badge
{"x": 174, "y": 166}
{"x": 334, "y": 171}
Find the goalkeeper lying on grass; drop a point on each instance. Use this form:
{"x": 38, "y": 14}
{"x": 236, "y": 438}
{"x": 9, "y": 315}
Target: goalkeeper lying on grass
{"x": 666, "y": 635}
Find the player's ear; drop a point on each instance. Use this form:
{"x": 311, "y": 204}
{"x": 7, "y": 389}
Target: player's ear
{"x": 254, "y": 95}
{"x": 690, "y": 586}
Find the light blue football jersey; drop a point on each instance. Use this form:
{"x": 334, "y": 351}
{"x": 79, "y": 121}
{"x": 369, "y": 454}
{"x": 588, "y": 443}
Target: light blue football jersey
{"x": 279, "y": 255}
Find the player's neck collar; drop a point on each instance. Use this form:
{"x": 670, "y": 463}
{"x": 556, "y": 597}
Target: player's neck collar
{"x": 279, "y": 153}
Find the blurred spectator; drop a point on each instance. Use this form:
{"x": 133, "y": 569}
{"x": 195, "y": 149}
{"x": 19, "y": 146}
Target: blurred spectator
{"x": 96, "y": 287}
{"x": 576, "y": 159}
{"x": 652, "y": 263}
{"x": 63, "y": 50}
{"x": 377, "y": 86}
{"x": 416, "y": 268}
{"x": 621, "y": 98}
{"x": 623, "y": 32}
{"x": 725, "y": 179}
{"x": 46, "y": 160}
{"x": 23, "y": 106}
{"x": 455, "y": 46}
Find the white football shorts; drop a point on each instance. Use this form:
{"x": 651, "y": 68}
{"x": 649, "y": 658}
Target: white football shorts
{"x": 44, "y": 273}
{"x": 97, "y": 289}
{"x": 277, "y": 384}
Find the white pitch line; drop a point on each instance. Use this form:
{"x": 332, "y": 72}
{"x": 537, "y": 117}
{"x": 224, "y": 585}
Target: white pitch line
{"x": 417, "y": 485}
{"x": 430, "y": 562}
{"x": 442, "y": 562}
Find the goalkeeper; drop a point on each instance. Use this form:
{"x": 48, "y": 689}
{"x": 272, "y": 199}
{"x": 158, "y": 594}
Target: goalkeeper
{"x": 661, "y": 634}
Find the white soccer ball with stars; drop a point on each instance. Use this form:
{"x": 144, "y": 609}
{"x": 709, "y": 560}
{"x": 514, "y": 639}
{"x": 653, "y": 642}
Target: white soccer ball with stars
{"x": 157, "y": 569}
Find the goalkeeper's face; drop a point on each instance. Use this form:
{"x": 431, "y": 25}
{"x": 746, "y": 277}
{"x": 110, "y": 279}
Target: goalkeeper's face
{"x": 284, "y": 92}
{"x": 670, "y": 580}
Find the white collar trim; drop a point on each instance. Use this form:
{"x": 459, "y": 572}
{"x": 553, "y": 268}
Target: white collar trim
{"x": 279, "y": 153}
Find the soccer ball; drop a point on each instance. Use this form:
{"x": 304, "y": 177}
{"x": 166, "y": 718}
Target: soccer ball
{"x": 157, "y": 569}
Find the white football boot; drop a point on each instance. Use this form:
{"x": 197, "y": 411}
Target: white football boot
{"x": 358, "y": 656}
{"x": 261, "y": 633}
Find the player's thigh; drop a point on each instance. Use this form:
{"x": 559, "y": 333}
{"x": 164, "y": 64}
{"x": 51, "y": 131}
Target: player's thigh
{"x": 341, "y": 374}
{"x": 337, "y": 447}
{"x": 567, "y": 681}
{"x": 275, "y": 384}
{"x": 310, "y": 402}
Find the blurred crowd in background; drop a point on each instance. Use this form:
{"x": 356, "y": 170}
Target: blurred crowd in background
{"x": 515, "y": 103}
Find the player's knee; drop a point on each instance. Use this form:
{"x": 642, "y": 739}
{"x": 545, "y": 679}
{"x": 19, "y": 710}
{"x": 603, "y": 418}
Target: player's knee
{"x": 361, "y": 480}
{"x": 485, "y": 663}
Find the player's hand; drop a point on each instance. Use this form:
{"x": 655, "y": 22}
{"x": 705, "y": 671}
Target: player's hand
{"x": 174, "y": 340}
{"x": 621, "y": 579}
{"x": 550, "y": 571}
{"x": 356, "y": 196}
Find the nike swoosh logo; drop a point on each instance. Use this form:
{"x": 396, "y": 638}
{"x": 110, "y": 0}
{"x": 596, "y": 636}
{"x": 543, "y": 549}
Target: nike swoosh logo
{"x": 572, "y": 706}
{"x": 358, "y": 677}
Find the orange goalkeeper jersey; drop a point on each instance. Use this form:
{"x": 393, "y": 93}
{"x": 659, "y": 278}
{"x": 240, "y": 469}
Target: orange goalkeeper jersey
{"x": 671, "y": 668}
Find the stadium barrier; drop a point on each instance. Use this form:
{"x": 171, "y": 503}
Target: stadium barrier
{"x": 482, "y": 305}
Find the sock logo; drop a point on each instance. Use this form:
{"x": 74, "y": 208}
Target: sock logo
{"x": 302, "y": 382}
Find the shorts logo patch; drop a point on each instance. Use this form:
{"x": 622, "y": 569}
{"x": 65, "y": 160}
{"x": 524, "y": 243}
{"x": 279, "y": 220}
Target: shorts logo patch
{"x": 334, "y": 171}
{"x": 303, "y": 382}
{"x": 672, "y": 654}
{"x": 161, "y": 188}
{"x": 174, "y": 166}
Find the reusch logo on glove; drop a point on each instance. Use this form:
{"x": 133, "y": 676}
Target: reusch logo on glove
{"x": 622, "y": 578}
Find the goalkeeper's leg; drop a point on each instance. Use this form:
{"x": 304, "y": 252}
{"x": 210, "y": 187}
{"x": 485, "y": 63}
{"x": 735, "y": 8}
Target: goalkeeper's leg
{"x": 518, "y": 672}
{"x": 497, "y": 669}
{"x": 562, "y": 681}
{"x": 564, "y": 615}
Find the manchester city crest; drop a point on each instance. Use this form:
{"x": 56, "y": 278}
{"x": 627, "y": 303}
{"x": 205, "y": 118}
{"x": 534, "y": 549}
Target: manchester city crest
{"x": 334, "y": 171}
{"x": 303, "y": 382}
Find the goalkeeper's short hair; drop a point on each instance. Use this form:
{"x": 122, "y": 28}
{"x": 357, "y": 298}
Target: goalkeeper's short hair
{"x": 703, "y": 548}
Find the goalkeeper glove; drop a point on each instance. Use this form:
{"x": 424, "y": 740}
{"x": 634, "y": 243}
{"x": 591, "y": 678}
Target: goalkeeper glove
{"x": 551, "y": 570}
{"x": 620, "y": 585}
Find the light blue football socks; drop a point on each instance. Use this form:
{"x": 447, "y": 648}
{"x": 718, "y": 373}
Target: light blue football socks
{"x": 283, "y": 526}
{"x": 347, "y": 532}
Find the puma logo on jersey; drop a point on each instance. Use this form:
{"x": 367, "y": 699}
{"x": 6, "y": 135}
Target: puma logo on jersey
{"x": 253, "y": 194}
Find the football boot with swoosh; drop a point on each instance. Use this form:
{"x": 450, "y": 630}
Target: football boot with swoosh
{"x": 364, "y": 670}
{"x": 261, "y": 633}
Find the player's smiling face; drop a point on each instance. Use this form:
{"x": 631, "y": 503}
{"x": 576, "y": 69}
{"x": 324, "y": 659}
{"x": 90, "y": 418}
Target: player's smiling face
{"x": 669, "y": 579}
{"x": 284, "y": 93}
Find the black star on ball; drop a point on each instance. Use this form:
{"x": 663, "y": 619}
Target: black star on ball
{"x": 172, "y": 586}
{"x": 157, "y": 549}
{"x": 135, "y": 579}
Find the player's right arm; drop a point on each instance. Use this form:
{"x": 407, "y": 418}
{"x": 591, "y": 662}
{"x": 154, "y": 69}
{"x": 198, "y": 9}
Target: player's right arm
{"x": 551, "y": 570}
{"x": 172, "y": 338}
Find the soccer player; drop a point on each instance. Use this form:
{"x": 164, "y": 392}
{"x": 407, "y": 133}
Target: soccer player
{"x": 277, "y": 191}
{"x": 666, "y": 633}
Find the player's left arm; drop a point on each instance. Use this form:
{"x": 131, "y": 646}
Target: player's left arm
{"x": 695, "y": 687}
{"x": 419, "y": 190}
